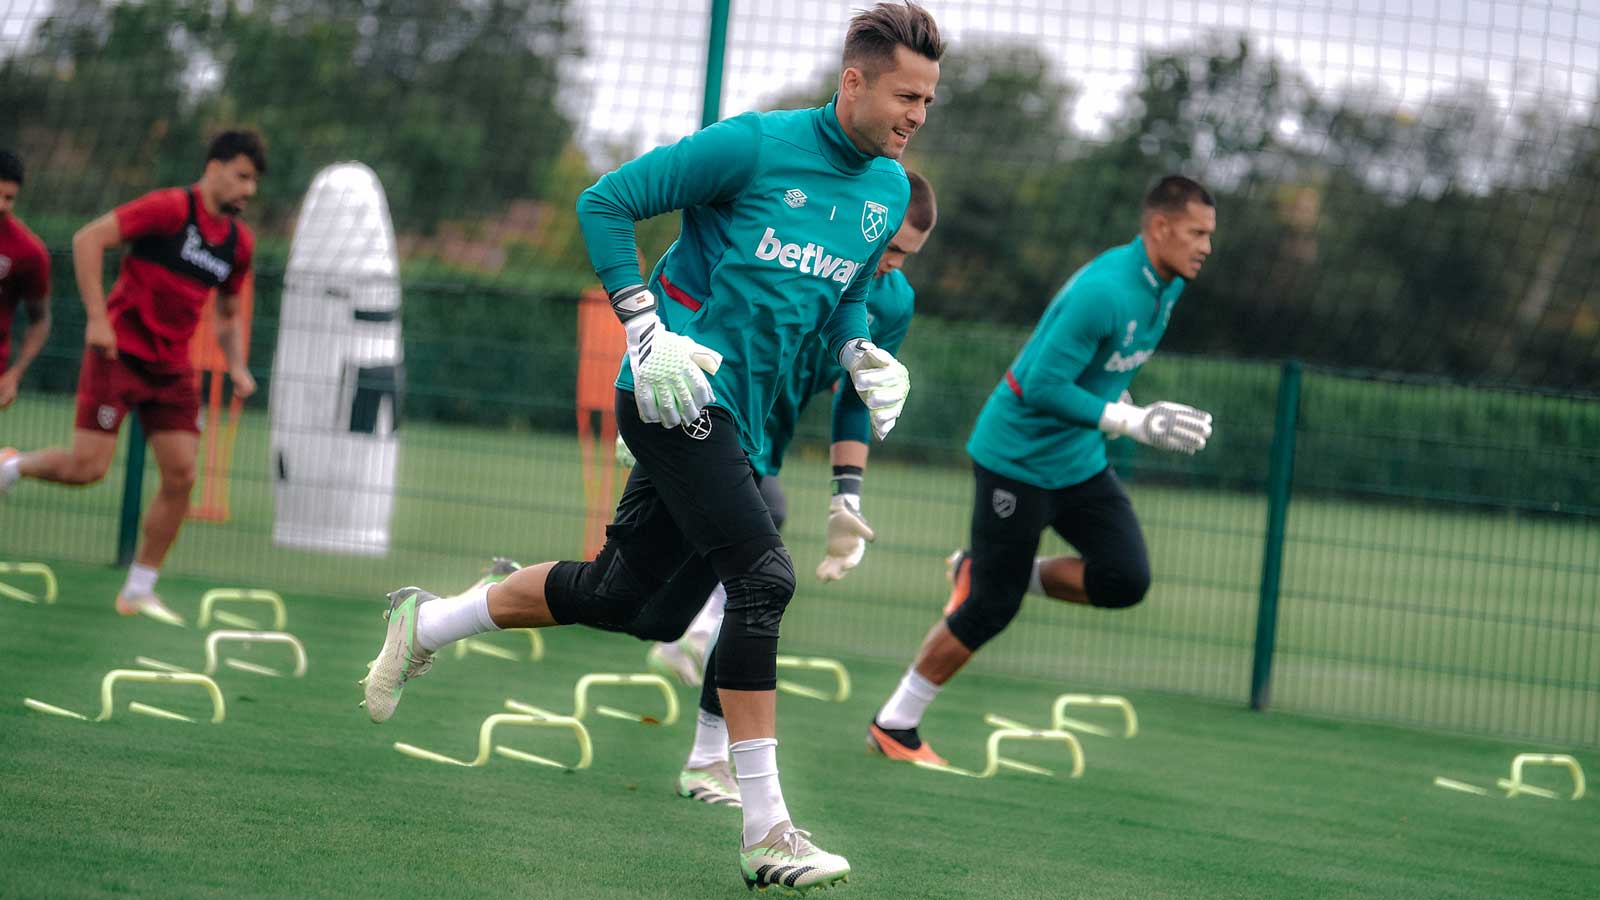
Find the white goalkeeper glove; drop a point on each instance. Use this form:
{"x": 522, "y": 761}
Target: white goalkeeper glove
{"x": 1168, "y": 426}
{"x": 848, "y": 533}
{"x": 880, "y": 379}
{"x": 669, "y": 370}
{"x": 624, "y": 455}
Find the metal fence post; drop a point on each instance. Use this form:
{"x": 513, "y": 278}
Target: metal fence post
{"x": 132, "y": 496}
{"x": 716, "y": 46}
{"x": 1280, "y": 476}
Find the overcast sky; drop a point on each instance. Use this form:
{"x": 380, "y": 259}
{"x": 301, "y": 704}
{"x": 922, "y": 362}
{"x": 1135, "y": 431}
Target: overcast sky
{"x": 642, "y": 80}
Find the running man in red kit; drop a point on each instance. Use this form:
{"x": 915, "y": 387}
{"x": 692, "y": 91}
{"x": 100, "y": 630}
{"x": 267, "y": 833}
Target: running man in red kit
{"x": 24, "y": 281}
{"x": 182, "y": 244}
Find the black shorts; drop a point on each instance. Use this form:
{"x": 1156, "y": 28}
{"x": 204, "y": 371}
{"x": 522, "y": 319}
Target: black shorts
{"x": 692, "y": 493}
{"x": 669, "y": 612}
{"x": 1008, "y": 517}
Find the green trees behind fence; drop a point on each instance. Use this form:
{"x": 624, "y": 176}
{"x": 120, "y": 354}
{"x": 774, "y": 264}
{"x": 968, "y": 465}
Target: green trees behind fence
{"x": 1451, "y": 238}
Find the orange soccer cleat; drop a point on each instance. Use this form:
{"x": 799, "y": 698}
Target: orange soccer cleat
{"x": 901, "y": 744}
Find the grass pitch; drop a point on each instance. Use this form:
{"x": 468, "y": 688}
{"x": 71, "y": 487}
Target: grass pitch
{"x": 1483, "y": 622}
{"x": 1476, "y": 622}
{"x": 297, "y": 794}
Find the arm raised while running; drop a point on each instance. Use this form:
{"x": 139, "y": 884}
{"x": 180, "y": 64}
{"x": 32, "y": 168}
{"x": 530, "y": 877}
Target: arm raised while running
{"x": 709, "y": 167}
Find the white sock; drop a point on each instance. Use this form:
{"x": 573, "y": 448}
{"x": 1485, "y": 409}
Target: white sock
{"x": 10, "y": 471}
{"x": 710, "y": 742}
{"x": 755, "y": 763}
{"x": 706, "y": 625}
{"x": 907, "y": 703}
{"x": 1035, "y": 586}
{"x": 141, "y": 581}
{"x": 449, "y": 619}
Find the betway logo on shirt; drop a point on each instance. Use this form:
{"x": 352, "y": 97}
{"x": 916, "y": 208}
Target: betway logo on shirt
{"x": 811, "y": 259}
{"x": 1119, "y": 363}
{"x": 195, "y": 254}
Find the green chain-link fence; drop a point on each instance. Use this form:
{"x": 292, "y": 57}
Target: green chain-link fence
{"x": 1413, "y": 206}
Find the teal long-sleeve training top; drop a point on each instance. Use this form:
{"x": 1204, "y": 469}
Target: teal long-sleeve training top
{"x": 1041, "y": 424}
{"x": 784, "y": 220}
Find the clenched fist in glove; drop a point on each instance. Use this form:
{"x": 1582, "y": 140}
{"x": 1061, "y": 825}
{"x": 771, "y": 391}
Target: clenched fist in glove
{"x": 880, "y": 379}
{"x": 1169, "y": 426}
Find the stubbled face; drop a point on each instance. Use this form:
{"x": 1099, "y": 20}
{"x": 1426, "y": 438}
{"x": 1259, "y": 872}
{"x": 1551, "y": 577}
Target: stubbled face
{"x": 905, "y": 242}
{"x": 881, "y": 113}
{"x": 231, "y": 183}
{"x": 1182, "y": 241}
{"x": 8, "y": 197}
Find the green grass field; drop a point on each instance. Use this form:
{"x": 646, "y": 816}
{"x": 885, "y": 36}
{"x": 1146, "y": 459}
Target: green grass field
{"x": 1480, "y": 622}
{"x": 1470, "y": 623}
{"x": 298, "y": 795}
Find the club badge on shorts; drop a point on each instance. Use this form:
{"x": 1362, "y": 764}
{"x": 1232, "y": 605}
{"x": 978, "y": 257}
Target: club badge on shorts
{"x": 106, "y": 416}
{"x": 700, "y": 428}
{"x": 1005, "y": 503}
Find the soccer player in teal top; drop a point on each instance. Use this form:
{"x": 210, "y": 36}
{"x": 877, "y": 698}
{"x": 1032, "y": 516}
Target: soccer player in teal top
{"x": 890, "y": 304}
{"x": 785, "y": 217}
{"x": 1039, "y": 454}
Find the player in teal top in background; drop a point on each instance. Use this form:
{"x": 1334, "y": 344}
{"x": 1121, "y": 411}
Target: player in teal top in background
{"x": 785, "y": 217}
{"x": 1039, "y": 456}
{"x": 890, "y": 305}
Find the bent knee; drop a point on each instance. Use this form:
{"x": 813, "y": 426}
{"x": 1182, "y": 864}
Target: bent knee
{"x": 1120, "y": 588}
{"x": 760, "y": 595}
{"x": 983, "y": 616}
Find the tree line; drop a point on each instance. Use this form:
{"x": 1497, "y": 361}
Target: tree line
{"x": 1453, "y": 239}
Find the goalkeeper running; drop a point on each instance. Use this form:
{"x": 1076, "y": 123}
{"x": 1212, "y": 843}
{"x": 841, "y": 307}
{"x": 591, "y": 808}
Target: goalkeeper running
{"x": 1039, "y": 454}
{"x": 706, "y": 776}
{"x": 786, "y": 215}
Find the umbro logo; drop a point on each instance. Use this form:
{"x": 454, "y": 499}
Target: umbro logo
{"x": 795, "y": 197}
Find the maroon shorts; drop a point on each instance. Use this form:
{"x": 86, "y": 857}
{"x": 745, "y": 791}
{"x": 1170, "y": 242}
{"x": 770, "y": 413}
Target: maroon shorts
{"x": 108, "y": 388}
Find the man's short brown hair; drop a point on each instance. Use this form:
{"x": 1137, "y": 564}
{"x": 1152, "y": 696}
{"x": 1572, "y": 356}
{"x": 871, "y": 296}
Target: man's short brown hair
{"x": 922, "y": 210}
{"x": 874, "y": 33}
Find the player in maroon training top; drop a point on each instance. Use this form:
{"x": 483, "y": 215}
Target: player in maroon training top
{"x": 24, "y": 281}
{"x": 182, "y": 244}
